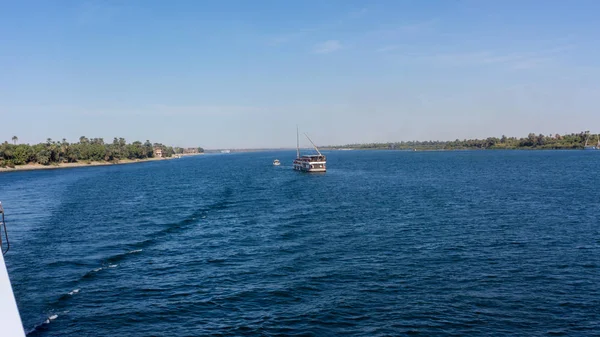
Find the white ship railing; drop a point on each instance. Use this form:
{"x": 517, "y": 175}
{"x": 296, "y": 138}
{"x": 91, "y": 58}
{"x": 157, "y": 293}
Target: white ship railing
{"x": 10, "y": 320}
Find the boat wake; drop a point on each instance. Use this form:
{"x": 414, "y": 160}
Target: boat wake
{"x": 42, "y": 326}
{"x": 135, "y": 248}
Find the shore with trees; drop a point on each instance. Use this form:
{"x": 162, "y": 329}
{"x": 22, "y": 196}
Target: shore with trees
{"x": 85, "y": 152}
{"x": 571, "y": 141}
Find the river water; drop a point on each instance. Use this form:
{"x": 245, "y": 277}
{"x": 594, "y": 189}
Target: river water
{"x": 385, "y": 243}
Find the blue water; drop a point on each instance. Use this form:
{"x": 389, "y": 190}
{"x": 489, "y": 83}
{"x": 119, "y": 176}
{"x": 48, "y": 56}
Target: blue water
{"x": 384, "y": 244}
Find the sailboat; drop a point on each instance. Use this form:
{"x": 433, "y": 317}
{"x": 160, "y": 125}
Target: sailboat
{"x": 591, "y": 147}
{"x": 309, "y": 163}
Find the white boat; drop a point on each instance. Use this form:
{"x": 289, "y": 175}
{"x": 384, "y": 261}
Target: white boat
{"x": 309, "y": 163}
{"x": 10, "y": 320}
{"x": 276, "y": 162}
{"x": 225, "y": 151}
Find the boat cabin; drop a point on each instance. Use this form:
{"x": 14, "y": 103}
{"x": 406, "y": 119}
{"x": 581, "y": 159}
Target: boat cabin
{"x": 311, "y": 163}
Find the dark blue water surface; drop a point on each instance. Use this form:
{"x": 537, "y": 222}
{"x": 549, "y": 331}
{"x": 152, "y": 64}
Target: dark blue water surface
{"x": 383, "y": 244}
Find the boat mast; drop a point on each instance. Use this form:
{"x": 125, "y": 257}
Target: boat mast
{"x": 297, "y": 143}
{"x": 313, "y": 144}
{"x": 587, "y": 138}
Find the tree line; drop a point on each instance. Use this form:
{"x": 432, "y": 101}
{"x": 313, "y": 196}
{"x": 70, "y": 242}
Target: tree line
{"x": 86, "y": 150}
{"x": 532, "y": 141}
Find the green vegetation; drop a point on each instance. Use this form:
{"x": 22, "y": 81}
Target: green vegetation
{"x": 86, "y": 150}
{"x": 532, "y": 141}
{"x": 180, "y": 150}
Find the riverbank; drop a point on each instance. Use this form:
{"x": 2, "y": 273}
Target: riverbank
{"x": 32, "y": 167}
{"x": 457, "y": 149}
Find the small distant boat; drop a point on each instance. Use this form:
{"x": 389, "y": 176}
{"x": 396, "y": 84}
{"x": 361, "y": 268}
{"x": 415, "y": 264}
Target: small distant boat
{"x": 225, "y": 151}
{"x": 276, "y": 162}
{"x": 309, "y": 163}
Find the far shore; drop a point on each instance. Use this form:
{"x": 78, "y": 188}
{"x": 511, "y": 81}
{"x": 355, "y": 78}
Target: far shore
{"x": 32, "y": 167}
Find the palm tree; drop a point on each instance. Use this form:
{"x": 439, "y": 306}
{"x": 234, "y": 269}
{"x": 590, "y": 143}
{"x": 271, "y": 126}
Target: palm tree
{"x": 64, "y": 149}
{"x": 15, "y": 139}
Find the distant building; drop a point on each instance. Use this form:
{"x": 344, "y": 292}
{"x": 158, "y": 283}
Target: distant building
{"x": 190, "y": 150}
{"x": 158, "y": 152}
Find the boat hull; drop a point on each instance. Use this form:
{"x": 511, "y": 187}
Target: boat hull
{"x": 310, "y": 167}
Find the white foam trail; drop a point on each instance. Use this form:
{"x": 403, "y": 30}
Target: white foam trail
{"x": 97, "y": 269}
{"x": 74, "y": 292}
{"x": 135, "y": 251}
{"x": 47, "y": 321}
{"x": 51, "y": 318}
{"x": 112, "y": 265}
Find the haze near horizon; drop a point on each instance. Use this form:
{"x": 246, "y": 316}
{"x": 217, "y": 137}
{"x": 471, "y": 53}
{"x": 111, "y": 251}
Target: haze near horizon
{"x": 243, "y": 74}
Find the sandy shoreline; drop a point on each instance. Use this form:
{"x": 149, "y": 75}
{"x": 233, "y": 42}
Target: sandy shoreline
{"x": 31, "y": 167}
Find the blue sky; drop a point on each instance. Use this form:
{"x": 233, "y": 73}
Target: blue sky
{"x": 223, "y": 74}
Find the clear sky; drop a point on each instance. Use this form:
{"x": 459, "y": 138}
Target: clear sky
{"x": 242, "y": 74}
